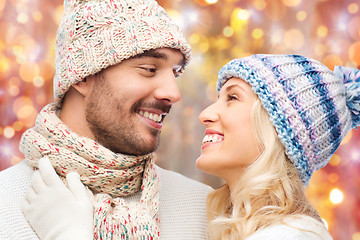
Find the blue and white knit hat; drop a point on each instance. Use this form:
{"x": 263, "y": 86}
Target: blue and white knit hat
{"x": 311, "y": 107}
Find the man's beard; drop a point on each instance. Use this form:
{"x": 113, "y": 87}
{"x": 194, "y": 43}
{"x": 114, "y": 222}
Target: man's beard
{"x": 112, "y": 126}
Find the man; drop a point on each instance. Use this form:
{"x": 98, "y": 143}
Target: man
{"x": 116, "y": 67}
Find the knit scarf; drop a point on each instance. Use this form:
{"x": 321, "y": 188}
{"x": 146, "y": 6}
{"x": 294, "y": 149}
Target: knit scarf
{"x": 110, "y": 176}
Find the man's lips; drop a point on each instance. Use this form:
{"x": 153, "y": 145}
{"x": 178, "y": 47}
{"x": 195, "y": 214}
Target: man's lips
{"x": 152, "y": 117}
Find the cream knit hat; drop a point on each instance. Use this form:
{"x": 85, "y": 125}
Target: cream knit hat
{"x": 95, "y": 34}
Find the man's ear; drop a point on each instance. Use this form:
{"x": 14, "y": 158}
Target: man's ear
{"x": 84, "y": 86}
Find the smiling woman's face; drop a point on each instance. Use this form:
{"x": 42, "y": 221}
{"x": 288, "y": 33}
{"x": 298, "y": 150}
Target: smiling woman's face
{"x": 229, "y": 144}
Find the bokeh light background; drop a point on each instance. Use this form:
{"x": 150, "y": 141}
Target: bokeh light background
{"x": 218, "y": 31}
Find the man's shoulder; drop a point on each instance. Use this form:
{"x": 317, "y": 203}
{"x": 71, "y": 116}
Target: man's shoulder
{"x": 15, "y": 180}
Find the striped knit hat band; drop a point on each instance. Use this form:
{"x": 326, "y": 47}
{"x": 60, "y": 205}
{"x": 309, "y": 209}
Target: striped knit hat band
{"x": 94, "y": 35}
{"x": 311, "y": 107}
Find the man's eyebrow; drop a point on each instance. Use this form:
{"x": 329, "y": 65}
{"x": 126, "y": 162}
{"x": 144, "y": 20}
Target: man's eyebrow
{"x": 152, "y": 53}
{"x": 159, "y": 55}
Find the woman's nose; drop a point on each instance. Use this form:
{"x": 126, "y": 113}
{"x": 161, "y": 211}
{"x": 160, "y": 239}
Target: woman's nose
{"x": 209, "y": 115}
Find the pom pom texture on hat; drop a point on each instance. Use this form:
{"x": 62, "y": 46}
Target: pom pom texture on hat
{"x": 306, "y": 102}
{"x": 96, "y": 34}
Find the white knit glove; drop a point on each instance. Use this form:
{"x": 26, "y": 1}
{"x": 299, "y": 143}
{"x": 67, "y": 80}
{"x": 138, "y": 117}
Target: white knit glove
{"x": 55, "y": 211}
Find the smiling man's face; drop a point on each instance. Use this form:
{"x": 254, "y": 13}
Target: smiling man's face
{"x": 128, "y": 102}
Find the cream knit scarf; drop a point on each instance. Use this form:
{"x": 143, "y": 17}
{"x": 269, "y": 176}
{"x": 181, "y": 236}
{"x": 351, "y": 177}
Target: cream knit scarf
{"x": 110, "y": 176}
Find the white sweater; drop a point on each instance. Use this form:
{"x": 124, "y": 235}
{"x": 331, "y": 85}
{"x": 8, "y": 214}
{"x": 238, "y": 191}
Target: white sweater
{"x": 182, "y": 205}
{"x": 293, "y": 228}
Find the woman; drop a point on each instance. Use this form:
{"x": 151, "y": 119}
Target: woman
{"x": 278, "y": 119}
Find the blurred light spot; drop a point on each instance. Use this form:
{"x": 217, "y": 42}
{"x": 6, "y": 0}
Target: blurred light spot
{"x": 194, "y": 38}
{"x": 353, "y": 8}
{"x": 204, "y": 46}
{"x": 1, "y": 130}
{"x": 17, "y": 50}
{"x": 277, "y": 36}
{"x": 22, "y": 18}
{"x": 58, "y": 14}
{"x": 294, "y": 39}
{"x": 320, "y": 49}
{"x": 23, "y": 107}
{"x": 242, "y": 14}
{"x": 355, "y": 155}
{"x": 37, "y": 16}
{"x": 2, "y": 5}
{"x": 333, "y": 178}
{"x": 228, "y": 31}
{"x": 9, "y": 132}
{"x": 13, "y": 90}
{"x": 332, "y": 60}
{"x": 257, "y": 33}
{"x": 301, "y": 16}
{"x": 342, "y": 26}
{"x": 335, "y": 160}
{"x": 259, "y": 4}
{"x": 356, "y": 236}
{"x": 322, "y": 31}
{"x": 354, "y": 51}
{"x": 192, "y": 16}
{"x": 28, "y": 71}
{"x": 222, "y": 43}
{"x": 347, "y": 138}
{"x": 336, "y": 196}
{"x": 4, "y": 65}
{"x": 18, "y": 125}
{"x": 38, "y": 81}
{"x": 291, "y": 3}
{"x": 6, "y": 151}
{"x": 211, "y": 1}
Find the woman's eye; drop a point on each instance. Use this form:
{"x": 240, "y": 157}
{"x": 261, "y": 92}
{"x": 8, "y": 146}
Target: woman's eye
{"x": 231, "y": 97}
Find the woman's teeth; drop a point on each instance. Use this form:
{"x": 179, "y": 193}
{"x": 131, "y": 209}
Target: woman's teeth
{"x": 152, "y": 116}
{"x": 212, "y": 138}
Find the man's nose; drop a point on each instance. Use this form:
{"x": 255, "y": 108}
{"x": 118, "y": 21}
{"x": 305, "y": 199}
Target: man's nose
{"x": 168, "y": 90}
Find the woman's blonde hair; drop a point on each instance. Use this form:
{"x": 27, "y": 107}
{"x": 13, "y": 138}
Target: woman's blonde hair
{"x": 267, "y": 189}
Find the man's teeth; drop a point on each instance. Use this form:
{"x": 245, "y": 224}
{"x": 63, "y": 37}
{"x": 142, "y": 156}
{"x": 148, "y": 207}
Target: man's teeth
{"x": 212, "y": 138}
{"x": 152, "y": 116}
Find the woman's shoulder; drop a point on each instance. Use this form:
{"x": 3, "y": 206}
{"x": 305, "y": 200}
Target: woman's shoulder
{"x": 299, "y": 227}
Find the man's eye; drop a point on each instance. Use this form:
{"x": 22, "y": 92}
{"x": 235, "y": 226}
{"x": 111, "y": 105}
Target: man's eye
{"x": 152, "y": 70}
